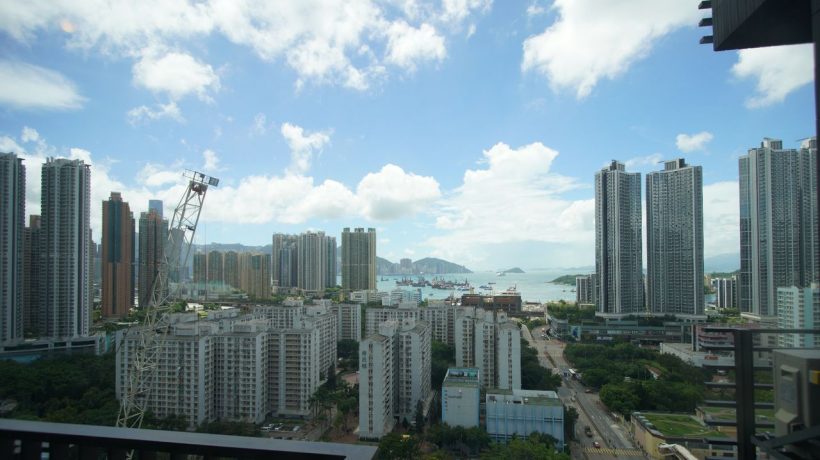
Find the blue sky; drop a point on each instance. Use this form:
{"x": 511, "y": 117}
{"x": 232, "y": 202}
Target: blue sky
{"x": 463, "y": 129}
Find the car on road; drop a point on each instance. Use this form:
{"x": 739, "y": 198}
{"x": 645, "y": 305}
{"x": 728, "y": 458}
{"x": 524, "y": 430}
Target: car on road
{"x": 587, "y": 391}
{"x": 596, "y": 444}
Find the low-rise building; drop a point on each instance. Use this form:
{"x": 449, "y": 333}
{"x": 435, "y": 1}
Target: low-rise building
{"x": 510, "y": 303}
{"x": 461, "y": 397}
{"x": 687, "y": 354}
{"x": 521, "y": 412}
{"x": 689, "y": 432}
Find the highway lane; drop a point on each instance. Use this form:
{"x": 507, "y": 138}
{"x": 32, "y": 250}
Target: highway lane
{"x": 606, "y": 430}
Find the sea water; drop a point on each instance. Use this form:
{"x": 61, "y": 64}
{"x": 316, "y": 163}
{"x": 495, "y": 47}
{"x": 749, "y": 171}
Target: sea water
{"x": 534, "y": 286}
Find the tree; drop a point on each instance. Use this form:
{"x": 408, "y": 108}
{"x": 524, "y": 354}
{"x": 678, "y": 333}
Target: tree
{"x": 419, "y": 417}
{"x": 524, "y": 449}
{"x": 331, "y": 377}
{"x": 443, "y": 357}
{"x": 570, "y": 418}
{"x": 398, "y": 446}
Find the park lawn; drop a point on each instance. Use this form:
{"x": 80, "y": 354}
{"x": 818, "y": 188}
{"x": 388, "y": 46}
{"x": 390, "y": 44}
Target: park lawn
{"x": 679, "y": 425}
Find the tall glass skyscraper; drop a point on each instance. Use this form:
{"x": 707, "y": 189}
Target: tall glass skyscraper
{"x": 674, "y": 239}
{"x": 618, "y": 242}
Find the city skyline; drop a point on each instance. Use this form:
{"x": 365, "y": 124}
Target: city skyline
{"x": 484, "y": 89}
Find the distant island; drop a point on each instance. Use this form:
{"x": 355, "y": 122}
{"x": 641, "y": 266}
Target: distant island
{"x": 426, "y": 266}
{"x": 569, "y": 280}
{"x": 513, "y": 270}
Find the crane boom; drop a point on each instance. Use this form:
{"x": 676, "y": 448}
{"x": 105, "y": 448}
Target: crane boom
{"x": 151, "y": 333}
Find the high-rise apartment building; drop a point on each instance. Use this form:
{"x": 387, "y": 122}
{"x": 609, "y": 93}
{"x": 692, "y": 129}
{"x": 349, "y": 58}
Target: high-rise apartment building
{"x": 294, "y": 368}
{"x": 330, "y": 267}
{"x": 240, "y": 370}
{"x": 508, "y": 360}
{"x": 486, "y": 340}
{"x": 65, "y": 297}
{"x": 358, "y": 259}
{"x": 798, "y": 308}
{"x": 258, "y": 276}
{"x": 674, "y": 239}
{"x": 725, "y": 292}
{"x": 585, "y": 289}
{"x": 618, "y": 242}
{"x": 200, "y": 268}
{"x": 153, "y": 234}
{"x": 348, "y": 321}
{"x": 31, "y": 274}
{"x": 12, "y": 225}
{"x": 117, "y": 262}
{"x": 183, "y": 382}
{"x": 231, "y": 268}
{"x": 377, "y": 362}
{"x": 778, "y": 223}
{"x": 216, "y": 268}
{"x": 235, "y": 367}
{"x": 394, "y": 375}
{"x": 312, "y": 262}
{"x": 284, "y": 261}
{"x": 156, "y": 206}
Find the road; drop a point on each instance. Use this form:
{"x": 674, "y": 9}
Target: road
{"x": 606, "y": 429}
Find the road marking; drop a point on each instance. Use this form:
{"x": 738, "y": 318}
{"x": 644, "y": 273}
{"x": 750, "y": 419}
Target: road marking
{"x": 610, "y": 451}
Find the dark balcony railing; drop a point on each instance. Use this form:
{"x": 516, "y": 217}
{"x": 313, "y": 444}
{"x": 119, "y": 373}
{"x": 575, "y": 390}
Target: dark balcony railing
{"x": 26, "y": 440}
{"x": 744, "y": 349}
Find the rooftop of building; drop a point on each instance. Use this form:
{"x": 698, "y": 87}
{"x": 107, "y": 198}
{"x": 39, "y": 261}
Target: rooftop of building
{"x": 525, "y": 397}
{"x": 377, "y": 338}
{"x": 461, "y": 377}
{"x": 675, "y": 425}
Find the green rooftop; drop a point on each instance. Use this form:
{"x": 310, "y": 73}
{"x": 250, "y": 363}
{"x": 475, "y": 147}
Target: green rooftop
{"x": 680, "y": 426}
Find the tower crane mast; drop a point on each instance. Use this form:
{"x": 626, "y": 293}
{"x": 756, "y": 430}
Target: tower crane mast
{"x": 142, "y": 359}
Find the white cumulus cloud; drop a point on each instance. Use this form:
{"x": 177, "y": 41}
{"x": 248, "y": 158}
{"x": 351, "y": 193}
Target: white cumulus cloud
{"x": 513, "y": 197}
{"x": 691, "y": 142}
{"x": 592, "y": 40}
{"x": 175, "y": 74}
{"x": 303, "y": 146}
{"x": 721, "y": 218}
{"x": 211, "y": 161}
{"x": 408, "y": 45}
{"x": 779, "y": 70}
{"x": 27, "y": 86}
{"x": 144, "y": 114}
{"x": 645, "y": 162}
{"x": 392, "y": 193}
{"x": 320, "y": 40}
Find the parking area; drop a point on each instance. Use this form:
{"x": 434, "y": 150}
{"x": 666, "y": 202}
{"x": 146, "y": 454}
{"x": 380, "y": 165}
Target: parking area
{"x": 287, "y": 430}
